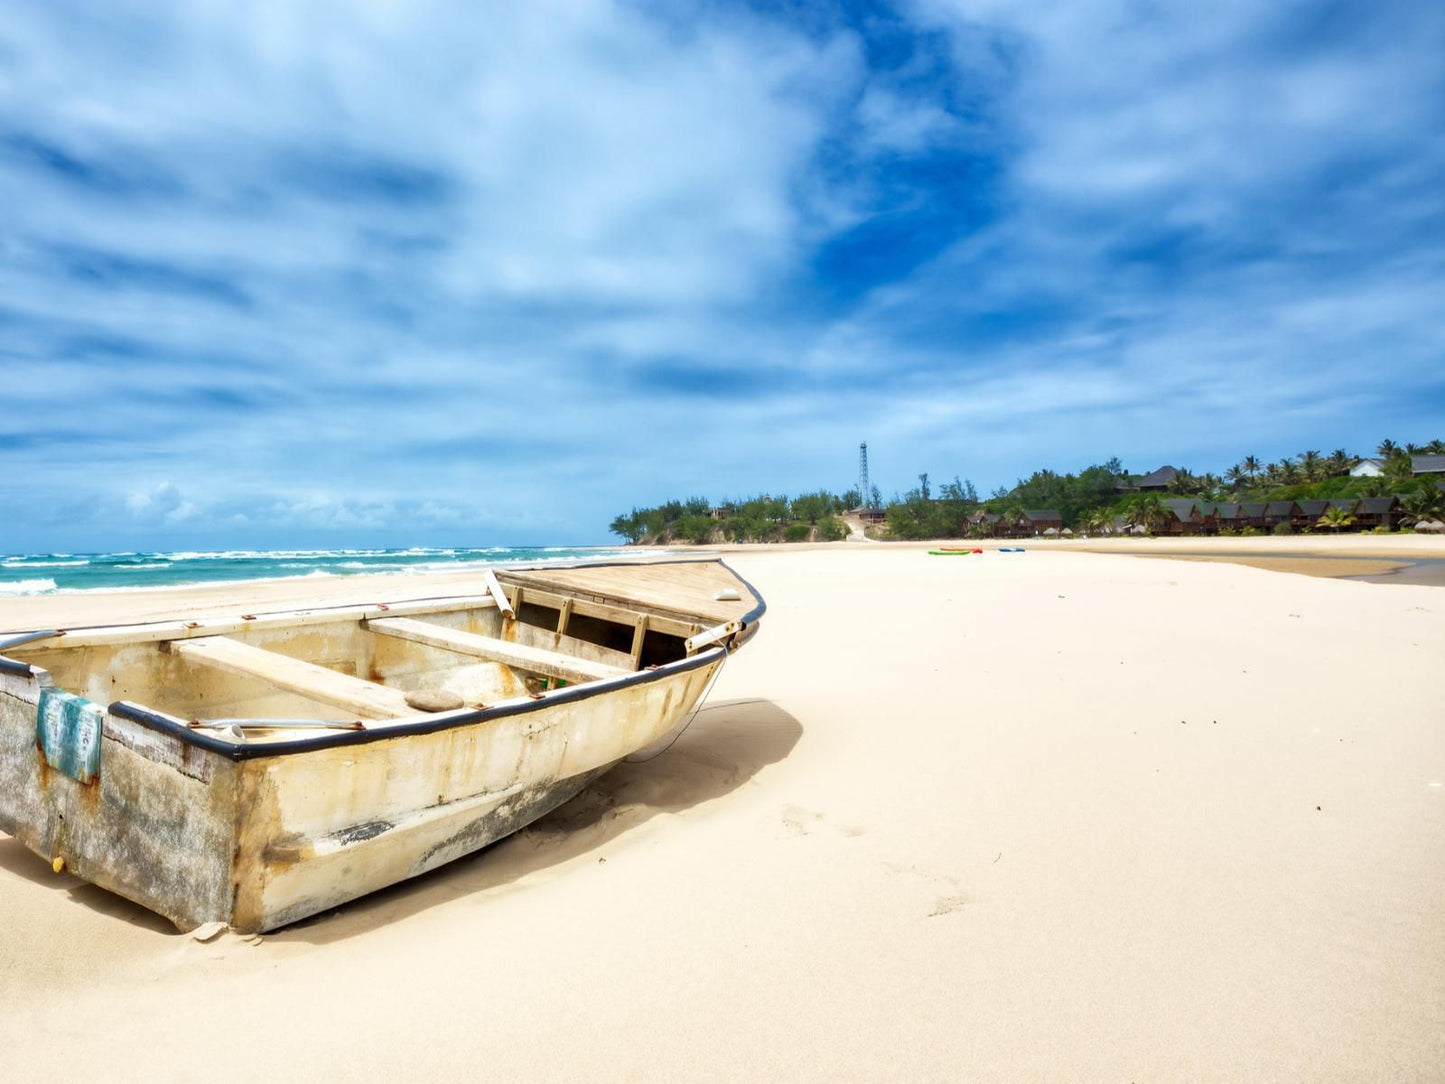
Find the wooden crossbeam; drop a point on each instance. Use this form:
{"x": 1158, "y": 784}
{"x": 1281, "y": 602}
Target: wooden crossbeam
{"x": 535, "y": 660}
{"x": 499, "y": 596}
{"x": 367, "y": 699}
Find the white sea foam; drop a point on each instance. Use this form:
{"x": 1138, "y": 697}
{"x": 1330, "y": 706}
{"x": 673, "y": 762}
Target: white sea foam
{"x": 184, "y": 568}
{"x": 450, "y": 566}
{"x": 27, "y": 587}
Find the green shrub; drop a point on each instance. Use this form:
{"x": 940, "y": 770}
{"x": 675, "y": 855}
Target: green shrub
{"x": 796, "y": 532}
{"x": 1249, "y": 532}
{"x": 695, "y": 529}
{"x": 1282, "y": 528}
{"x": 832, "y": 529}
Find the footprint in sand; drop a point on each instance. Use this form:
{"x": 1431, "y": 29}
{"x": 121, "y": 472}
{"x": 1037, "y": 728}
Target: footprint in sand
{"x": 942, "y": 905}
{"x": 804, "y": 822}
{"x": 946, "y": 905}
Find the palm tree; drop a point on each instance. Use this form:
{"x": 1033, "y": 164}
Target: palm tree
{"x": 1251, "y": 466}
{"x": 1340, "y": 462}
{"x": 1398, "y": 469}
{"x": 1011, "y": 519}
{"x": 1235, "y": 476}
{"x": 1436, "y": 447}
{"x": 1386, "y": 448}
{"x": 1421, "y": 505}
{"x": 1311, "y": 464}
{"x": 1335, "y": 518}
{"x": 1146, "y": 510}
{"x": 1283, "y": 473}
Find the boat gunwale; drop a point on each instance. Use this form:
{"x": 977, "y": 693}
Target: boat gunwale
{"x": 427, "y": 724}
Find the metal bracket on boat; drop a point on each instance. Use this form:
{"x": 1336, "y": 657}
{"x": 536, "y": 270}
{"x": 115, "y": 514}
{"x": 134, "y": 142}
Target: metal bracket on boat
{"x": 707, "y": 637}
{"x": 29, "y": 638}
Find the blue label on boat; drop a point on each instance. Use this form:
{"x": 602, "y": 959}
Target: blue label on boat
{"x": 67, "y": 729}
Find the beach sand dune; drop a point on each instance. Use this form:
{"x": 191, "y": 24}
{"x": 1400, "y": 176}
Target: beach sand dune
{"x": 1045, "y": 816}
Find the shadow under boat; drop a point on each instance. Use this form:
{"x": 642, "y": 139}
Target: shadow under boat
{"x": 16, "y": 858}
{"x": 726, "y": 745}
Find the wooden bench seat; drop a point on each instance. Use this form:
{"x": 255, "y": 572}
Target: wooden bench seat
{"x": 367, "y": 699}
{"x": 536, "y": 660}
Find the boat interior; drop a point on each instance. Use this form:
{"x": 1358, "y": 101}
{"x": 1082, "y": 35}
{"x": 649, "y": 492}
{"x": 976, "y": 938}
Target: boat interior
{"x": 274, "y": 676}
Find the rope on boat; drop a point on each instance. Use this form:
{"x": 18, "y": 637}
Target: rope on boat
{"x": 727, "y": 654}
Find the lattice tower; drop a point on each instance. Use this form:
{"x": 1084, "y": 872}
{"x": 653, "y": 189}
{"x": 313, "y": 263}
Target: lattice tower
{"x": 863, "y": 475}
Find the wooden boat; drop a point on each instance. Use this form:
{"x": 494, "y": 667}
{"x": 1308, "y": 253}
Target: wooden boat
{"x": 260, "y": 768}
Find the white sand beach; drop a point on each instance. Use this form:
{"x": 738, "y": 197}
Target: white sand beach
{"x": 1044, "y": 816}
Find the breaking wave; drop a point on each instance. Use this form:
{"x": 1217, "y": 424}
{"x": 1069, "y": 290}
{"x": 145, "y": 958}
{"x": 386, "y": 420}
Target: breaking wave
{"x": 27, "y": 587}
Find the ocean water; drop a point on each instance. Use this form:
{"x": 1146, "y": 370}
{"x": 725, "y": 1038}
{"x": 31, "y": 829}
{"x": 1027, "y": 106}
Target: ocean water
{"x": 49, "y": 573}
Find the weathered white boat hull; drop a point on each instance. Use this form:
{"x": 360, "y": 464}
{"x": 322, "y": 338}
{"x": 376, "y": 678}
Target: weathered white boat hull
{"x": 200, "y": 832}
{"x": 291, "y": 761}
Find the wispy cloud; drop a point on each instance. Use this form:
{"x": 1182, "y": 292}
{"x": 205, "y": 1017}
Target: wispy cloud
{"x": 408, "y": 271}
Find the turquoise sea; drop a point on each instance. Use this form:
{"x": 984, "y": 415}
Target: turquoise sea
{"x": 49, "y": 573}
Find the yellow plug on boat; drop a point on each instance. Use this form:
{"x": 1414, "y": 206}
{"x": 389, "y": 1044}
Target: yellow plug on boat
{"x": 57, "y": 864}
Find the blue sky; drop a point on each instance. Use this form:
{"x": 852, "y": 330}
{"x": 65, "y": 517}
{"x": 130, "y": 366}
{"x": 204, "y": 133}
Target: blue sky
{"x": 412, "y": 273}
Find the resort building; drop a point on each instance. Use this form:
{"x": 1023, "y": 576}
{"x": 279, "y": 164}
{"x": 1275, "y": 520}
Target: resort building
{"x": 1251, "y": 514}
{"x": 1377, "y": 512}
{"x": 1227, "y": 516}
{"x": 1427, "y": 464}
{"x": 1158, "y": 481}
{"x": 1368, "y": 468}
{"x": 1038, "y": 520}
{"x": 1286, "y": 512}
{"x": 988, "y": 519}
{"x": 1185, "y": 517}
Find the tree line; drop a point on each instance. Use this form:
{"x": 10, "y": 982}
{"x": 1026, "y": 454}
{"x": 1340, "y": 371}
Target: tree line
{"x": 811, "y": 516}
{"x": 1090, "y": 500}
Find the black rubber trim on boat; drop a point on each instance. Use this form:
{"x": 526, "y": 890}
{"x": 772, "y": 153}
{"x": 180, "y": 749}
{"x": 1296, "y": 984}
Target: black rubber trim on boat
{"x": 16, "y": 667}
{"x": 758, "y": 610}
{"x": 176, "y": 727}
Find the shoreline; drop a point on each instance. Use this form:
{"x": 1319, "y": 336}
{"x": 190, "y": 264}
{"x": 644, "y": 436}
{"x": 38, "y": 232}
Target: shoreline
{"x": 1348, "y": 557}
{"x": 1386, "y": 559}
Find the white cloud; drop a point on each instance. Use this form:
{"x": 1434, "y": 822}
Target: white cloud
{"x": 366, "y": 264}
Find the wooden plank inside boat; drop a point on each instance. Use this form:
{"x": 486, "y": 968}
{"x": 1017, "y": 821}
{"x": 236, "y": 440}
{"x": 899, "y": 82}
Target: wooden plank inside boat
{"x": 367, "y": 699}
{"x": 679, "y": 588}
{"x": 519, "y": 656}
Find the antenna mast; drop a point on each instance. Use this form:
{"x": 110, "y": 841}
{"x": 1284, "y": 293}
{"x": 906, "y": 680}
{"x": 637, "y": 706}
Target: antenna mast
{"x": 863, "y": 489}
